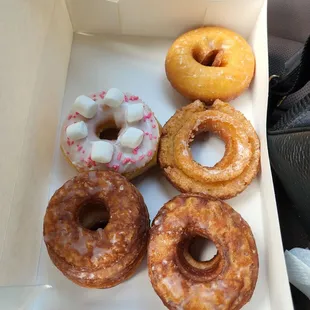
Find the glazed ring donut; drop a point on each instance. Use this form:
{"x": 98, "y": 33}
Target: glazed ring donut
{"x": 233, "y": 173}
{"x": 210, "y": 63}
{"x": 225, "y": 282}
{"x": 130, "y": 153}
{"x": 86, "y": 253}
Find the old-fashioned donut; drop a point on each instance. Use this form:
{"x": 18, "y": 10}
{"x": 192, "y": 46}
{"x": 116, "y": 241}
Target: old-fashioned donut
{"x": 132, "y": 151}
{"x": 210, "y": 63}
{"x": 85, "y": 251}
{"x": 225, "y": 282}
{"x": 228, "y": 177}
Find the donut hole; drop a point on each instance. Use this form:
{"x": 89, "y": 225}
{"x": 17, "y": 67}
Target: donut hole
{"x": 93, "y": 215}
{"x": 202, "y": 249}
{"x": 213, "y": 58}
{"x": 107, "y": 131}
{"x": 207, "y": 149}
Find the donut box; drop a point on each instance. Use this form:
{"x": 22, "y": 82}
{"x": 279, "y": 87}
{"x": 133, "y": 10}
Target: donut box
{"x": 60, "y": 50}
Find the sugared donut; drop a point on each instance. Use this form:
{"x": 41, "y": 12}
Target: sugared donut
{"x": 225, "y": 282}
{"x": 130, "y": 153}
{"x": 85, "y": 251}
{"x": 233, "y": 173}
{"x": 210, "y": 63}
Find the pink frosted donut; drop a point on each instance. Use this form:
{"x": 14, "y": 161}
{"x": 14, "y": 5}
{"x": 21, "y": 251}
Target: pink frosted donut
{"x": 130, "y": 152}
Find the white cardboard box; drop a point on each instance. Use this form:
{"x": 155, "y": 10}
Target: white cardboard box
{"x": 44, "y": 66}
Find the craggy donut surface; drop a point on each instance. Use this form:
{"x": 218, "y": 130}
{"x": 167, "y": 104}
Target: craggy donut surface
{"x": 227, "y": 281}
{"x": 229, "y": 176}
{"x": 90, "y": 257}
{"x": 210, "y": 63}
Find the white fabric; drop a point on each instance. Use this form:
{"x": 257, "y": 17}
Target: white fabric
{"x": 298, "y": 268}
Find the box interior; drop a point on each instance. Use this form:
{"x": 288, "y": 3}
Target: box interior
{"x": 130, "y": 57}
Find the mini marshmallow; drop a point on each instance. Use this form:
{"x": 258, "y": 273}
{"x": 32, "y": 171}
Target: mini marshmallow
{"x": 113, "y": 98}
{"x": 135, "y": 112}
{"x": 85, "y": 106}
{"x": 131, "y": 138}
{"x": 102, "y": 152}
{"x": 77, "y": 131}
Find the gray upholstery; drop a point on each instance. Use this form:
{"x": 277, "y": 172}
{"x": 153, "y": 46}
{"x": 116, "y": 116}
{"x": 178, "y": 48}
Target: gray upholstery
{"x": 289, "y": 19}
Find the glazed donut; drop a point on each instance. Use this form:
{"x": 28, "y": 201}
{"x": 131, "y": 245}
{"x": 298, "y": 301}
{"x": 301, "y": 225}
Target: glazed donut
{"x": 225, "y": 282}
{"x": 233, "y": 173}
{"x": 210, "y": 63}
{"x": 85, "y": 252}
{"x": 130, "y": 153}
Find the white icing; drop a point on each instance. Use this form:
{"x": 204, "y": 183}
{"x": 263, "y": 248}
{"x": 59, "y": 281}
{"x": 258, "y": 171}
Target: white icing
{"x": 131, "y": 138}
{"x": 77, "y": 131}
{"x": 124, "y": 159}
{"x": 81, "y": 244}
{"x": 113, "y": 98}
{"x": 85, "y": 106}
{"x": 134, "y": 112}
{"x": 102, "y": 151}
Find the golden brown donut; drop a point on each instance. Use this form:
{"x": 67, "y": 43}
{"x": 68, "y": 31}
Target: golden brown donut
{"x": 225, "y": 282}
{"x": 233, "y": 173}
{"x": 86, "y": 253}
{"x": 210, "y": 63}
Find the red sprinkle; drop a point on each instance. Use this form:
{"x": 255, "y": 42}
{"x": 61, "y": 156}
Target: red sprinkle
{"x": 119, "y": 156}
{"x": 126, "y": 160}
{"x": 126, "y": 98}
{"x": 147, "y": 133}
{"x": 151, "y": 136}
{"x": 77, "y": 113}
{"x": 68, "y": 153}
{"x": 149, "y": 115}
{"x": 102, "y": 94}
{"x": 141, "y": 157}
{"x": 149, "y": 153}
{"x": 80, "y": 148}
{"x": 133, "y": 161}
{"x": 134, "y": 98}
{"x": 115, "y": 167}
{"x": 69, "y": 117}
{"x": 154, "y": 126}
{"x": 83, "y": 152}
{"x": 72, "y": 142}
{"x": 135, "y": 151}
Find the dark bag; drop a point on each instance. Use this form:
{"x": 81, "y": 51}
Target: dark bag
{"x": 288, "y": 126}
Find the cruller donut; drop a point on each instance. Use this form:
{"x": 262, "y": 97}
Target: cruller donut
{"x": 225, "y": 282}
{"x": 228, "y": 177}
{"x": 210, "y": 63}
{"x": 88, "y": 140}
{"x": 77, "y": 242}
